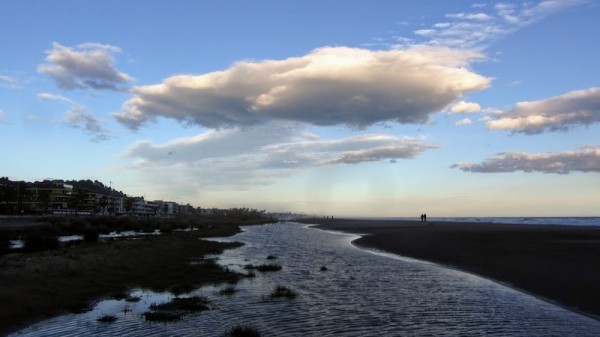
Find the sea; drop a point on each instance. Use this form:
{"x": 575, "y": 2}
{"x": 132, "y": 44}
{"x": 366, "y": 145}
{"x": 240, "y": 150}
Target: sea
{"x": 567, "y": 221}
{"x": 342, "y": 290}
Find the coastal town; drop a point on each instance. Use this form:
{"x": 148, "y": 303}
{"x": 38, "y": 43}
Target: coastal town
{"x": 82, "y": 197}
{"x": 89, "y": 198}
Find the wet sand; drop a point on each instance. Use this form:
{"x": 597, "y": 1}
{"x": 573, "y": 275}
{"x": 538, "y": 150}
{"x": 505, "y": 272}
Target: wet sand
{"x": 558, "y": 263}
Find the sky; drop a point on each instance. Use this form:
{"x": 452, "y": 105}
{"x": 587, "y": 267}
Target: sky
{"x": 346, "y": 108}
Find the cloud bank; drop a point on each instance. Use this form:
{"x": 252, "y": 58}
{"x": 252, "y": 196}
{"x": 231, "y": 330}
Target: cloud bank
{"x": 250, "y": 156}
{"x": 329, "y": 86}
{"x": 576, "y": 108}
{"x": 584, "y": 160}
{"x": 86, "y": 66}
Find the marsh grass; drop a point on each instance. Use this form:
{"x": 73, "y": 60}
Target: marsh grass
{"x": 268, "y": 267}
{"x": 186, "y": 304}
{"x": 227, "y": 291}
{"x": 133, "y": 299}
{"x": 107, "y": 318}
{"x": 263, "y": 267}
{"x": 162, "y": 316}
{"x": 283, "y": 292}
{"x": 39, "y": 240}
{"x": 176, "y": 309}
{"x": 71, "y": 278}
{"x": 120, "y": 296}
{"x": 243, "y": 331}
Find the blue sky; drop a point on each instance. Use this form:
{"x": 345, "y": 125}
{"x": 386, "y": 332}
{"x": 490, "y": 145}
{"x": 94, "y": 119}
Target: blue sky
{"x": 385, "y": 108}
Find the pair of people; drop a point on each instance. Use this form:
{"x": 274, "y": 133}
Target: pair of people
{"x": 423, "y": 217}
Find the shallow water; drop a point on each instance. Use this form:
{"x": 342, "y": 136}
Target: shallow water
{"x": 360, "y": 293}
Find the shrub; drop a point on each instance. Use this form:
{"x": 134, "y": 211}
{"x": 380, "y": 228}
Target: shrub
{"x": 166, "y": 228}
{"x": 90, "y": 234}
{"x": 39, "y": 240}
{"x": 4, "y": 240}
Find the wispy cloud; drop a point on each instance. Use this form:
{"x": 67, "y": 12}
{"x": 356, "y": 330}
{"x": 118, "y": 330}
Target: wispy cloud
{"x": 329, "y": 86}
{"x": 576, "y": 108}
{"x": 9, "y": 82}
{"x": 78, "y": 117}
{"x": 241, "y": 157}
{"x": 86, "y": 66}
{"x": 584, "y": 160}
{"x": 489, "y": 22}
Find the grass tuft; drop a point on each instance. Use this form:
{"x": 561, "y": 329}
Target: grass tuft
{"x": 133, "y": 299}
{"x": 283, "y": 292}
{"x": 243, "y": 331}
{"x": 107, "y": 318}
{"x": 228, "y": 291}
{"x": 189, "y": 304}
{"x": 268, "y": 267}
{"x": 161, "y": 316}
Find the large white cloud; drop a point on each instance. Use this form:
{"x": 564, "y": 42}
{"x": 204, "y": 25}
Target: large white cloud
{"x": 329, "y": 86}
{"x": 86, "y": 66}
{"x": 576, "y": 108}
{"x": 249, "y": 156}
{"x": 584, "y": 160}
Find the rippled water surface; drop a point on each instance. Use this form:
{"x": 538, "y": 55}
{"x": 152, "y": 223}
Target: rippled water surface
{"x": 357, "y": 293}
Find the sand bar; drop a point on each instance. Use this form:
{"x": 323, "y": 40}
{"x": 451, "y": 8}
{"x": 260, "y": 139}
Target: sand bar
{"x": 558, "y": 263}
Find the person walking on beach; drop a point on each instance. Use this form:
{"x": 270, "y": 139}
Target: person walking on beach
{"x": 422, "y": 215}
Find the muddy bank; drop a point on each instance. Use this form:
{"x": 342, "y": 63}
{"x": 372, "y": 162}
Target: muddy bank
{"x": 38, "y": 285}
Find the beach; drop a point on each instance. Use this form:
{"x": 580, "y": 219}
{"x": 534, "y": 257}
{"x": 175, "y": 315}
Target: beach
{"x": 560, "y": 264}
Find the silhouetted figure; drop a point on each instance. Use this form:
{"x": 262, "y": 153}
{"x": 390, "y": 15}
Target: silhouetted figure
{"x": 424, "y": 217}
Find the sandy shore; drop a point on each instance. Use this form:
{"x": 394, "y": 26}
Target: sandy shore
{"x": 558, "y": 263}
